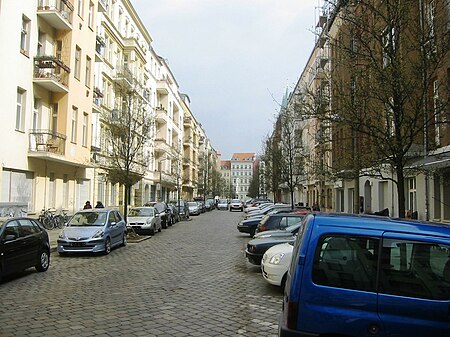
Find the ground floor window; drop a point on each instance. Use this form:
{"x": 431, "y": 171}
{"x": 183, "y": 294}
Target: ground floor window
{"x": 17, "y": 186}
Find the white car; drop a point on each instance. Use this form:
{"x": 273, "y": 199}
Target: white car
{"x": 144, "y": 220}
{"x": 275, "y": 264}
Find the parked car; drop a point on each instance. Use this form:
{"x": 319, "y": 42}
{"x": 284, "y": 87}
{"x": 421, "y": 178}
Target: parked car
{"x": 92, "y": 231}
{"x": 210, "y": 204}
{"x": 281, "y": 232}
{"x": 24, "y": 243}
{"x": 381, "y": 276}
{"x": 269, "y": 208}
{"x": 236, "y": 204}
{"x": 144, "y": 220}
{"x": 175, "y": 216}
{"x": 275, "y": 263}
{"x": 164, "y": 212}
{"x": 278, "y": 221}
{"x": 249, "y": 225}
{"x": 257, "y": 247}
{"x": 183, "y": 209}
{"x": 222, "y": 204}
{"x": 194, "y": 208}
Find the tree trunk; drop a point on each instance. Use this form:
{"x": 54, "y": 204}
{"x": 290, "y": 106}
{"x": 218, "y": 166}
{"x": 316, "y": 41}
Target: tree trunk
{"x": 400, "y": 191}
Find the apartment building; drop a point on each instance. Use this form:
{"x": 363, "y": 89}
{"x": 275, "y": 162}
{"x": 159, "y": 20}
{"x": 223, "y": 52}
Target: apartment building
{"x": 78, "y": 65}
{"x": 338, "y": 85}
{"x": 49, "y": 69}
{"x": 242, "y": 168}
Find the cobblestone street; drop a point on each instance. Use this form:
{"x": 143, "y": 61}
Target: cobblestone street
{"x": 190, "y": 280}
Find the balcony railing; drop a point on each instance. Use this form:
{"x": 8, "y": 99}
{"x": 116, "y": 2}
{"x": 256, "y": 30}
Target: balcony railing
{"x": 124, "y": 75}
{"x": 47, "y": 141}
{"x": 58, "y": 13}
{"x": 51, "y": 73}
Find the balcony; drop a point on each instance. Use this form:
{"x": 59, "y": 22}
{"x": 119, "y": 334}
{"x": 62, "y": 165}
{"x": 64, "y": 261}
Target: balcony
{"x": 162, "y": 87}
{"x": 45, "y": 142}
{"x": 51, "y": 73}
{"x": 132, "y": 43}
{"x": 187, "y": 121}
{"x": 57, "y": 13}
{"x": 123, "y": 76}
{"x": 161, "y": 146}
{"x": 161, "y": 115}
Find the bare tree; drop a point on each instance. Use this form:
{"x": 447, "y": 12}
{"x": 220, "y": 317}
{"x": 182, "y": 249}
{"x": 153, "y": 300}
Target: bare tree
{"x": 385, "y": 58}
{"x": 126, "y": 135}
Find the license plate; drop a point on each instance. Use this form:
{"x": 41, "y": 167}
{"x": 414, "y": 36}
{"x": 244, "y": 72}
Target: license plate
{"x": 77, "y": 244}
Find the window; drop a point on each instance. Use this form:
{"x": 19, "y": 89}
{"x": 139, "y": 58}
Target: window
{"x": 36, "y": 114}
{"x": 77, "y": 62}
{"x": 80, "y": 8}
{"x": 73, "y": 134}
{"x": 91, "y": 15}
{"x": 28, "y": 227}
{"x": 87, "y": 80}
{"x": 85, "y": 129}
{"x": 25, "y": 36}
{"x": 415, "y": 269}
{"x": 20, "y": 109}
{"x": 412, "y": 194}
{"x": 346, "y": 262}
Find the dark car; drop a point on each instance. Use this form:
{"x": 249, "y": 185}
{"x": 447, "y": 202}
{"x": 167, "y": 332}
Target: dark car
{"x": 182, "y": 208}
{"x": 24, "y": 243}
{"x": 249, "y": 225}
{"x": 257, "y": 247}
{"x": 282, "y": 232}
{"x": 278, "y": 221}
{"x": 164, "y": 212}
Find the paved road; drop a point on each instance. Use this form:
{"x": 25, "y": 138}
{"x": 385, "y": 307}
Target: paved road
{"x": 190, "y": 280}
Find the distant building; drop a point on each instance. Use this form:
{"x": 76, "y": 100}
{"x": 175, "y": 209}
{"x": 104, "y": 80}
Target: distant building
{"x": 241, "y": 173}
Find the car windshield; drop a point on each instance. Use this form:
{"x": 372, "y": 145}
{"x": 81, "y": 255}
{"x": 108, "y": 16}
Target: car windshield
{"x": 160, "y": 207}
{"x": 141, "y": 212}
{"x": 192, "y": 203}
{"x": 236, "y": 201}
{"x": 223, "y": 201}
{"x": 88, "y": 219}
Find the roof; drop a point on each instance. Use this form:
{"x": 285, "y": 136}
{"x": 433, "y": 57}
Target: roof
{"x": 243, "y": 156}
{"x": 225, "y": 164}
{"x": 373, "y": 222}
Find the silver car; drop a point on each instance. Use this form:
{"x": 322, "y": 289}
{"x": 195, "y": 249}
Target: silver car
{"x": 144, "y": 220}
{"x": 92, "y": 231}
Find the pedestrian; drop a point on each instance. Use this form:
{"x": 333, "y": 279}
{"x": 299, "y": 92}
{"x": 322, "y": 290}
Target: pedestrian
{"x": 99, "y": 205}
{"x": 87, "y": 205}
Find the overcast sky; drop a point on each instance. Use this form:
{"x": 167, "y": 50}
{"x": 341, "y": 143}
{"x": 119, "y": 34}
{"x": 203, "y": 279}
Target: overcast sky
{"x": 234, "y": 59}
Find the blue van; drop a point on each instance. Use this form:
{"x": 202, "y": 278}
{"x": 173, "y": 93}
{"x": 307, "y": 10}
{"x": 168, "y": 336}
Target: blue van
{"x": 365, "y": 276}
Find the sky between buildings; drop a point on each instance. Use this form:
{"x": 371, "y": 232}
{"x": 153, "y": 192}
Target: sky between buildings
{"x": 234, "y": 58}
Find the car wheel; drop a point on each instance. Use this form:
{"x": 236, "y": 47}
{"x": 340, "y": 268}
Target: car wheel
{"x": 283, "y": 281}
{"x": 159, "y": 230}
{"x": 152, "y": 231}
{"x": 107, "y": 246}
{"x": 124, "y": 239}
{"x": 44, "y": 261}
{"x": 252, "y": 232}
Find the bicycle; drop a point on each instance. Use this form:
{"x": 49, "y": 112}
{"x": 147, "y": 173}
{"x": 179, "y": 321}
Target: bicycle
{"x": 49, "y": 220}
{"x": 63, "y": 217}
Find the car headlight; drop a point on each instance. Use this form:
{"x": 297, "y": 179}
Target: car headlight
{"x": 277, "y": 258}
{"x": 149, "y": 222}
{"x": 97, "y": 235}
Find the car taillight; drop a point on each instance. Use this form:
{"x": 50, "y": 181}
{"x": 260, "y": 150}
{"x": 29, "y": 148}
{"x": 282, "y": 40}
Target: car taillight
{"x": 292, "y": 314}
{"x": 262, "y": 228}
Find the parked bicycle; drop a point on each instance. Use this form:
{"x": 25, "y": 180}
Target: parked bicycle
{"x": 49, "y": 220}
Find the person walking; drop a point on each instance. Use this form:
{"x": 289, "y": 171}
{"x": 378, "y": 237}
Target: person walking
{"x": 87, "y": 205}
{"x": 99, "y": 205}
